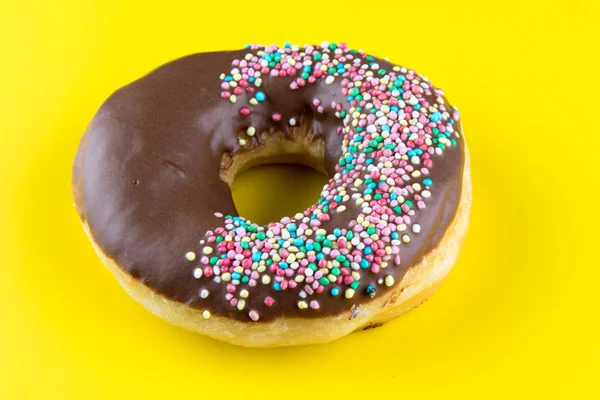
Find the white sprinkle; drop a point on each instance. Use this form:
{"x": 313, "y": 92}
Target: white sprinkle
{"x": 341, "y": 209}
{"x": 204, "y": 293}
{"x": 198, "y": 273}
{"x": 329, "y": 80}
{"x": 292, "y": 121}
{"x": 190, "y": 255}
{"x": 206, "y": 314}
{"x": 426, "y": 193}
{"x": 416, "y": 228}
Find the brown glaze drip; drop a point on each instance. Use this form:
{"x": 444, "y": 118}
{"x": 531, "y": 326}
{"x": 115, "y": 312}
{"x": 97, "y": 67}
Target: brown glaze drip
{"x": 146, "y": 179}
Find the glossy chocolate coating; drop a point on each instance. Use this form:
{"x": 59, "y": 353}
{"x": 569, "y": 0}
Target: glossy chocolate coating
{"x": 146, "y": 179}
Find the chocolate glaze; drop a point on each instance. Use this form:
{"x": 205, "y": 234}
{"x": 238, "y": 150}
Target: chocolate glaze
{"x": 146, "y": 179}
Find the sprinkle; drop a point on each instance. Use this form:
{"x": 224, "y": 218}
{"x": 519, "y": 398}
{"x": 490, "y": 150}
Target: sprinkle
{"x": 206, "y": 314}
{"x": 329, "y": 80}
{"x": 253, "y": 314}
{"x": 260, "y": 96}
{"x": 198, "y": 273}
{"x": 269, "y": 301}
{"x": 389, "y": 280}
{"x": 276, "y": 117}
{"x": 207, "y": 250}
{"x": 416, "y": 228}
{"x": 292, "y": 121}
{"x": 204, "y": 293}
{"x": 251, "y": 131}
{"x": 302, "y": 305}
{"x": 190, "y": 255}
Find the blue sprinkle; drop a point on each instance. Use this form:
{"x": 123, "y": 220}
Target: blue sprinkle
{"x": 235, "y": 276}
{"x": 287, "y": 45}
{"x": 367, "y": 250}
{"x": 251, "y": 79}
{"x": 256, "y": 257}
{"x": 280, "y": 241}
{"x": 410, "y": 153}
{"x": 395, "y": 108}
{"x": 435, "y": 117}
{"x": 337, "y": 232}
{"x": 358, "y": 139}
{"x": 283, "y": 265}
{"x": 427, "y": 182}
{"x": 372, "y": 185}
{"x": 416, "y": 106}
{"x": 369, "y": 161}
{"x": 291, "y": 227}
{"x": 309, "y": 247}
{"x": 320, "y": 256}
{"x": 393, "y": 196}
{"x": 298, "y": 242}
{"x": 338, "y": 198}
{"x": 364, "y": 263}
{"x": 385, "y": 128}
{"x": 228, "y": 79}
{"x": 368, "y": 191}
{"x": 395, "y": 235}
{"x": 334, "y": 291}
{"x": 260, "y": 96}
{"x": 277, "y": 286}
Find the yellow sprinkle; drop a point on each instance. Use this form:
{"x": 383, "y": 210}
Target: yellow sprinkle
{"x": 349, "y": 293}
{"x": 232, "y": 98}
{"x": 251, "y": 131}
{"x": 207, "y": 250}
{"x": 405, "y": 238}
{"x": 302, "y": 305}
{"x": 341, "y": 209}
{"x": 258, "y": 82}
{"x": 291, "y": 258}
{"x": 244, "y": 293}
{"x": 226, "y": 277}
{"x": 266, "y": 279}
{"x": 241, "y": 304}
{"x": 242, "y": 142}
{"x": 238, "y": 269}
{"x": 389, "y": 280}
{"x": 190, "y": 255}
{"x": 206, "y": 314}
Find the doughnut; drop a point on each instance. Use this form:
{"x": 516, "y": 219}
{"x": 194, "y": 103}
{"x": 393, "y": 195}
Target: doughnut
{"x": 152, "y": 175}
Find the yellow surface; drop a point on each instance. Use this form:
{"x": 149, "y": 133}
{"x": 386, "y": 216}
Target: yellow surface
{"x": 517, "y": 318}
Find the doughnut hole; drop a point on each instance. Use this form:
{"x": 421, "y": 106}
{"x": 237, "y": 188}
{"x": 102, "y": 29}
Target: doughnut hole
{"x": 281, "y": 177}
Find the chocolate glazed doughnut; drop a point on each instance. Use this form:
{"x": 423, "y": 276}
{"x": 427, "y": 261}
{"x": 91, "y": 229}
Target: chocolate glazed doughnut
{"x": 152, "y": 177}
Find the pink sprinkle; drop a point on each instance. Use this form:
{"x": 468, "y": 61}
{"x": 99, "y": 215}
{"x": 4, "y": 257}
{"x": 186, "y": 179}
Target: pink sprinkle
{"x": 314, "y": 304}
{"x": 253, "y": 315}
{"x": 269, "y": 301}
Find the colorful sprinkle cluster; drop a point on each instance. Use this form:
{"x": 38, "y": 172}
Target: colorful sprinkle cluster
{"x": 391, "y": 131}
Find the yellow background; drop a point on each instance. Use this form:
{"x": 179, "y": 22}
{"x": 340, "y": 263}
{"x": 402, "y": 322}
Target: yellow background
{"x": 517, "y": 318}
